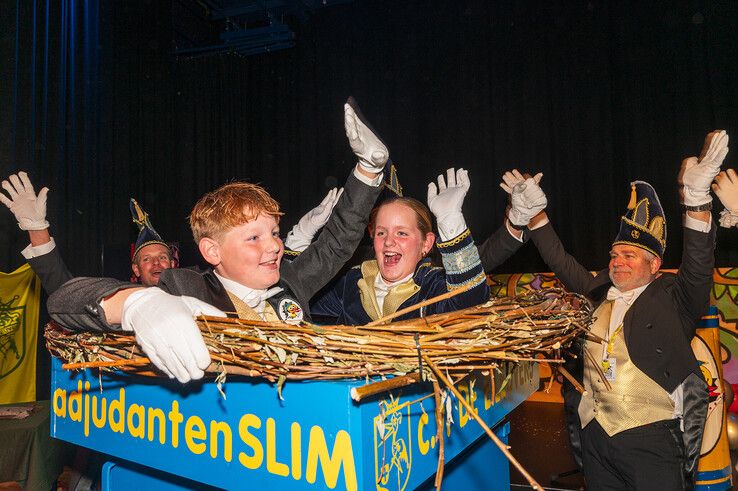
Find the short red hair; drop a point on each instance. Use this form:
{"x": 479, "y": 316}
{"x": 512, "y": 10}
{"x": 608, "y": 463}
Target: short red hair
{"x": 229, "y": 206}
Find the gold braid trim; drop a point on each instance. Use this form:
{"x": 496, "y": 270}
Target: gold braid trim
{"x": 466, "y": 233}
{"x": 481, "y": 277}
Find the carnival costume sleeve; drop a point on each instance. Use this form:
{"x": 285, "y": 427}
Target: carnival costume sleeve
{"x": 77, "y": 303}
{"x": 323, "y": 259}
{"x": 51, "y": 269}
{"x": 499, "y": 247}
{"x": 463, "y": 267}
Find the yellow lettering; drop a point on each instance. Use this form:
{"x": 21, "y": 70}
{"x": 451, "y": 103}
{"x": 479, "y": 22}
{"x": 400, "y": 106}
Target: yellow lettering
{"x": 224, "y": 428}
{"x": 176, "y": 418}
{"x": 488, "y": 399}
{"x": 296, "y": 445}
{"x": 342, "y": 455}
{"x": 250, "y": 461}
{"x": 195, "y": 429}
{"x": 75, "y": 403}
{"x": 273, "y": 466}
{"x": 60, "y": 403}
{"x": 463, "y": 415}
{"x": 423, "y": 444}
{"x": 136, "y": 431}
{"x": 157, "y": 414}
{"x": 87, "y": 409}
{"x": 99, "y": 419}
{"x": 118, "y": 406}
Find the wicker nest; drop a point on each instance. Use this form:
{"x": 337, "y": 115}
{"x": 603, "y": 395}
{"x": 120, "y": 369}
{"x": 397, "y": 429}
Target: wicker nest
{"x": 533, "y": 326}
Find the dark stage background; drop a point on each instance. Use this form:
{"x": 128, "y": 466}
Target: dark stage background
{"x": 94, "y": 104}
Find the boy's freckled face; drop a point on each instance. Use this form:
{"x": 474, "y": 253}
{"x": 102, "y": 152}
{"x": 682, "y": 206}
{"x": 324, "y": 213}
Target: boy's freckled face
{"x": 250, "y": 254}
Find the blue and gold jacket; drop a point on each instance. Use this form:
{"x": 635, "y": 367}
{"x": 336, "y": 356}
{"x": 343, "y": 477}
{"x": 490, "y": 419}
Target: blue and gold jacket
{"x": 352, "y": 300}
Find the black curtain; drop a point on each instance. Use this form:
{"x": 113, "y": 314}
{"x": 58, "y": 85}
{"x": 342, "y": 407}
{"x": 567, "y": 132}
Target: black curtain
{"x": 593, "y": 94}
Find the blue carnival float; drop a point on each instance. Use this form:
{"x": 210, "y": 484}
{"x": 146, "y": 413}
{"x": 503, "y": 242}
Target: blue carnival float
{"x": 162, "y": 435}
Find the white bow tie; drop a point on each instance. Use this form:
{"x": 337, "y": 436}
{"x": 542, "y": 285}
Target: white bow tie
{"x": 257, "y": 297}
{"x": 627, "y": 297}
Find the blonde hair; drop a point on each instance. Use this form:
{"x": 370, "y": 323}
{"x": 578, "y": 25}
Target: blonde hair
{"x": 229, "y": 206}
{"x": 422, "y": 214}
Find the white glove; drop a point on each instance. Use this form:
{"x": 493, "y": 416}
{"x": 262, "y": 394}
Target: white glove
{"x": 366, "y": 145}
{"x": 527, "y": 199}
{"x": 29, "y": 209}
{"x": 445, "y": 202}
{"x": 166, "y": 331}
{"x": 726, "y": 188}
{"x": 696, "y": 175}
{"x": 302, "y": 234}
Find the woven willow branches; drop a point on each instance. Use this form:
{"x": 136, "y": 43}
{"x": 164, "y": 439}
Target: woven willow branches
{"x": 535, "y": 325}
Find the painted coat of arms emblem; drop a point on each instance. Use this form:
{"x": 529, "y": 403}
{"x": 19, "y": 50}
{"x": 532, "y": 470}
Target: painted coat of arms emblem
{"x": 12, "y": 336}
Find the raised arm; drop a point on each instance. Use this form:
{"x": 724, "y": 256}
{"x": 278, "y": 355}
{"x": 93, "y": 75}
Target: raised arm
{"x": 458, "y": 252}
{"x": 320, "y": 262}
{"x": 304, "y": 231}
{"x": 29, "y": 210}
{"x": 528, "y": 200}
{"x": 694, "y": 278}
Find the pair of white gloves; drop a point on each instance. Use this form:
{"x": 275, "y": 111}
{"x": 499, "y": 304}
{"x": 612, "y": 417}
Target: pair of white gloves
{"x": 696, "y": 177}
{"x": 163, "y": 323}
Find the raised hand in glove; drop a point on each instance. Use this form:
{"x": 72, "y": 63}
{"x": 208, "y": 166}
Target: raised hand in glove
{"x": 366, "y": 144}
{"x": 28, "y": 208}
{"x": 696, "y": 175}
{"x": 726, "y": 189}
{"x": 446, "y": 200}
{"x": 165, "y": 329}
{"x": 527, "y": 199}
{"x": 302, "y": 234}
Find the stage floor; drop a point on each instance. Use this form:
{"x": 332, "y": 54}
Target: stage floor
{"x": 540, "y": 442}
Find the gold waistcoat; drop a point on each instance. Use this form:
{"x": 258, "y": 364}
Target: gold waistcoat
{"x": 396, "y": 296}
{"x": 634, "y": 399}
{"x": 247, "y": 313}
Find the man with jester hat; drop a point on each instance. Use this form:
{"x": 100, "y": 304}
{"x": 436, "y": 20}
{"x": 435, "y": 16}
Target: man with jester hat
{"x": 638, "y": 424}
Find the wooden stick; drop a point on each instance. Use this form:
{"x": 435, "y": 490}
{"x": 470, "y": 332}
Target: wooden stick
{"x": 597, "y": 367}
{"x": 105, "y": 364}
{"x": 359, "y": 393}
{"x": 439, "y": 435}
{"x": 430, "y": 301}
{"x": 462, "y": 400}
{"x": 563, "y": 371}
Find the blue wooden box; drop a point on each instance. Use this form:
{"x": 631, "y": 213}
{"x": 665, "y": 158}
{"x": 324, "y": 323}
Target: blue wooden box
{"x": 159, "y": 431}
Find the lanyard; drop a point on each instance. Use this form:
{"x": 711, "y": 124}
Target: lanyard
{"x": 609, "y": 348}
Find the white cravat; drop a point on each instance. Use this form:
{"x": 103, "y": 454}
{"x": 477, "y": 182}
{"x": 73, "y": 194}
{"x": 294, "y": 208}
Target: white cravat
{"x": 254, "y": 298}
{"x": 382, "y": 288}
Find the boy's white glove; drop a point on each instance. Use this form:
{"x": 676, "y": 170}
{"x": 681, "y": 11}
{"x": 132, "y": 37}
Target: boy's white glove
{"x": 527, "y": 199}
{"x": 28, "y": 208}
{"x": 302, "y": 234}
{"x": 696, "y": 175}
{"x": 165, "y": 329}
{"x": 366, "y": 145}
{"x": 445, "y": 202}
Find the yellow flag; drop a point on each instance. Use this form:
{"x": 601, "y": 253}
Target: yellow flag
{"x": 20, "y": 293}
